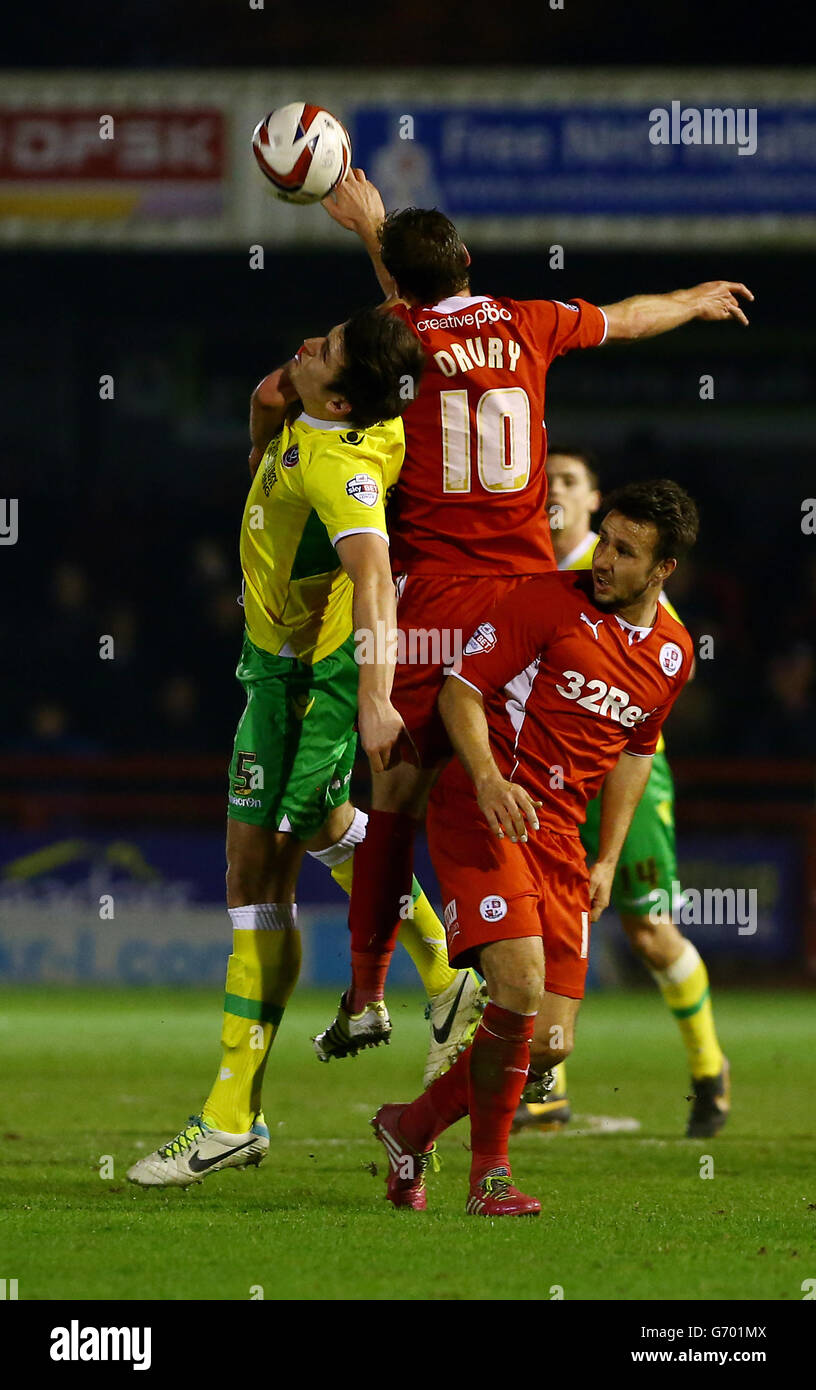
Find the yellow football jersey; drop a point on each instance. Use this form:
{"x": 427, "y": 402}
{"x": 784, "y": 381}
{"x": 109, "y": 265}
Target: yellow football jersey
{"x": 316, "y": 483}
{"x": 581, "y": 559}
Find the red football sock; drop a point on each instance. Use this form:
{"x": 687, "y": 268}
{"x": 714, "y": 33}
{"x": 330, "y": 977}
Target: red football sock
{"x": 499, "y": 1060}
{"x": 444, "y": 1102}
{"x": 368, "y": 972}
{"x": 380, "y": 887}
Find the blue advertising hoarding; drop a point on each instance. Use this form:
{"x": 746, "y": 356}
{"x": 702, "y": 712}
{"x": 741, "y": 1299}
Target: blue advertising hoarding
{"x": 148, "y": 908}
{"x": 508, "y": 160}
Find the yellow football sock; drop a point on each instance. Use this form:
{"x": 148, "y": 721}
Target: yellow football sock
{"x": 342, "y": 874}
{"x": 422, "y": 934}
{"x": 261, "y": 974}
{"x": 423, "y": 937}
{"x": 684, "y": 986}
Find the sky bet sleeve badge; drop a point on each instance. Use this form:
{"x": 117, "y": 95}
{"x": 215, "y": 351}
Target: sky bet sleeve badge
{"x": 483, "y": 640}
{"x": 363, "y": 488}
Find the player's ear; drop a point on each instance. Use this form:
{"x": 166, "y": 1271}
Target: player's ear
{"x": 595, "y": 500}
{"x": 339, "y": 407}
{"x": 666, "y": 568}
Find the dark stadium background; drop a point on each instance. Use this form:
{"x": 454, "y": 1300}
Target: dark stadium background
{"x": 422, "y": 34}
{"x": 132, "y": 506}
{"x": 139, "y": 500}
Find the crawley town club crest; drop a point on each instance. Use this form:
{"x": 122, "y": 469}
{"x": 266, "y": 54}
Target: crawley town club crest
{"x": 671, "y": 658}
{"x": 493, "y": 908}
{"x": 483, "y": 640}
{"x": 363, "y": 488}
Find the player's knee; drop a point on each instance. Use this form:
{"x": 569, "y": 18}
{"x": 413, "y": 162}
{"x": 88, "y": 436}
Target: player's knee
{"x": 239, "y": 887}
{"x": 552, "y": 1047}
{"x": 638, "y": 930}
{"x": 334, "y": 827}
{"x": 647, "y": 940}
{"x": 246, "y": 883}
{"x": 521, "y": 993}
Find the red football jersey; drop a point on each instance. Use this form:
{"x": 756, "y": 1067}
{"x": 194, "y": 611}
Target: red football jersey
{"x": 473, "y": 489}
{"x": 567, "y": 687}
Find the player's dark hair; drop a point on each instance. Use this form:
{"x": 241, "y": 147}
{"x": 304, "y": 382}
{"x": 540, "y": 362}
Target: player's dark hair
{"x": 667, "y": 505}
{"x": 587, "y": 457}
{"x": 424, "y": 253}
{"x": 382, "y": 367}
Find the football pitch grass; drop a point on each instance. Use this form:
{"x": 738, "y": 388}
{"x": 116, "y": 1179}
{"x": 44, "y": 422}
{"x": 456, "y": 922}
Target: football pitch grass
{"x": 626, "y": 1215}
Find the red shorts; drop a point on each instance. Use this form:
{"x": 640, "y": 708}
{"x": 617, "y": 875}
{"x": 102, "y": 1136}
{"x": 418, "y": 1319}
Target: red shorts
{"x": 436, "y": 615}
{"x": 493, "y": 890}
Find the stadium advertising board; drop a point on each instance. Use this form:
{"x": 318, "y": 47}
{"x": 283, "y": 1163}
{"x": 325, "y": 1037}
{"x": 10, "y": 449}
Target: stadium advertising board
{"x": 124, "y": 162}
{"x": 147, "y": 908}
{"x": 668, "y": 158}
{"x": 507, "y": 161}
{"x": 127, "y": 163}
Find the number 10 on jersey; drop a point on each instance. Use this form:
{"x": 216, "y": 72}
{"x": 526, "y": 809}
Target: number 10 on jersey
{"x": 502, "y": 440}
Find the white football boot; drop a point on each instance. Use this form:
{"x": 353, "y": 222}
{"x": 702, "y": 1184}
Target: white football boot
{"x": 350, "y": 1033}
{"x": 197, "y": 1151}
{"x": 454, "y": 1017}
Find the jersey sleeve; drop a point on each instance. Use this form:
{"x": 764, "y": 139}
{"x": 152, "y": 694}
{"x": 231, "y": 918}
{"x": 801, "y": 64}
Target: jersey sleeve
{"x": 559, "y": 327}
{"x": 346, "y": 490}
{"x": 510, "y": 637}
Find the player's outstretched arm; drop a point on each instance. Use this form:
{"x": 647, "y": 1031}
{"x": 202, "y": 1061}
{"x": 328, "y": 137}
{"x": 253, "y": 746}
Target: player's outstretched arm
{"x": 623, "y": 787}
{"x": 647, "y": 315}
{"x": 364, "y": 557}
{"x": 268, "y": 405}
{"x": 356, "y": 204}
{"x": 503, "y": 804}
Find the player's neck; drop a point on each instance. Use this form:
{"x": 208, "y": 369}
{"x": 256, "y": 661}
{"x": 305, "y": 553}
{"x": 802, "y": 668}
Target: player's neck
{"x": 566, "y": 541}
{"x": 463, "y": 292}
{"x": 641, "y": 613}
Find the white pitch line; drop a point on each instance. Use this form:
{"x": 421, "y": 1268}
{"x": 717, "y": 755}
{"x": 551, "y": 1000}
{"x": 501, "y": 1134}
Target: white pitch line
{"x": 321, "y": 1143}
{"x": 591, "y": 1125}
{"x": 604, "y": 1124}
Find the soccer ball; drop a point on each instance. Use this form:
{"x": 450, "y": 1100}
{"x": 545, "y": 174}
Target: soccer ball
{"x": 303, "y": 150}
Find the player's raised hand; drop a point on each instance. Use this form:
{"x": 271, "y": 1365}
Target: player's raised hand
{"x": 356, "y": 203}
{"x": 601, "y": 876}
{"x": 717, "y": 299}
{"x": 380, "y": 727}
{"x": 506, "y": 807}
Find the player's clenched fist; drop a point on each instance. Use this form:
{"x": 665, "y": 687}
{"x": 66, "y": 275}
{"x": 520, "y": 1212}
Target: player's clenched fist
{"x": 505, "y": 806}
